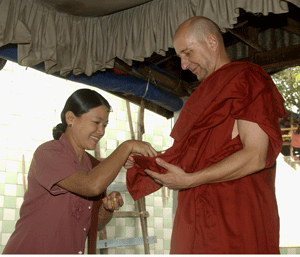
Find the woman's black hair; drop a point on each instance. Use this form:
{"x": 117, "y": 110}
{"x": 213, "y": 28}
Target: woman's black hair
{"x": 80, "y": 102}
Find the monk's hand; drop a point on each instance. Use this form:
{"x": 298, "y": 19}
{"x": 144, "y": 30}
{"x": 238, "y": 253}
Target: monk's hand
{"x": 175, "y": 178}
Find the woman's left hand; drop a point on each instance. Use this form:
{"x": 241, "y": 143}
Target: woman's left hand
{"x": 113, "y": 202}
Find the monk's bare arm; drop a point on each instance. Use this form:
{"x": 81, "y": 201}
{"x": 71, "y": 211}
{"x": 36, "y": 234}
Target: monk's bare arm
{"x": 251, "y": 159}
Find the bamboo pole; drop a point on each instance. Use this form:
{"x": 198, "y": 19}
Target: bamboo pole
{"x": 141, "y": 206}
{"x": 141, "y": 127}
{"x": 130, "y": 120}
{"x": 102, "y": 232}
{"x": 23, "y": 171}
{"x": 141, "y": 202}
{"x": 291, "y": 132}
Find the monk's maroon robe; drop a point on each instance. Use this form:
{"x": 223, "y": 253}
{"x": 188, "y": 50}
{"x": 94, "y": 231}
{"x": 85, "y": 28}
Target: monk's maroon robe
{"x": 238, "y": 216}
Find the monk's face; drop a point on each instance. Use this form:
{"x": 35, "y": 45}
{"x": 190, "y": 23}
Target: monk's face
{"x": 196, "y": 56}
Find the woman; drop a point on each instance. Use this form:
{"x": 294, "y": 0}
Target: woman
{"x": 55, "y": 216}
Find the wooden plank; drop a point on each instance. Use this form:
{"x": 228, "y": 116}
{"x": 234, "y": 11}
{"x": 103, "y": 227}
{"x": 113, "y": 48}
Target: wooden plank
{"x": 2, "y": 63}
{"x": 117, "y": 187}
{"x": 123, "y": 242}
{"x": 175, "y": 85}
{"x": 148, "y": 104}
{"x": 130, "y": 214}
{"x": 277, "y": 59}
{"x": 23, "y": 172}
{"x": 293, "y": 26}
{"x": 248, "y": 41}
{"x": 130, "y": 119}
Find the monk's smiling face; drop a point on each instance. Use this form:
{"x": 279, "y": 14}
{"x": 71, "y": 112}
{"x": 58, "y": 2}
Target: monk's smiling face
{"x": 199, "y": 44}
{"x": 195, "y": 55}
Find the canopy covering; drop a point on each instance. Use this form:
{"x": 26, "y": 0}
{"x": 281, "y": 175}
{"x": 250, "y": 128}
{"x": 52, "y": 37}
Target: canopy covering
{"x": 67, "y": 43}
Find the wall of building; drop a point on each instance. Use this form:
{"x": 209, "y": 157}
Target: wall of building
{"x": 30, "y": 104}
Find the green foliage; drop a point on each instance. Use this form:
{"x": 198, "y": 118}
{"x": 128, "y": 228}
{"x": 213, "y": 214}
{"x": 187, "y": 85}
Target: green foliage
{"x": 288, "y": 84}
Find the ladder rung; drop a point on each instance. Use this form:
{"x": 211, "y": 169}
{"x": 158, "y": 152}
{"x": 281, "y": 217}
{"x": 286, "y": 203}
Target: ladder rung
{"x": 122, "y": 242}
{"x": 117, "y": 187}
{"x": 130, "y": 214}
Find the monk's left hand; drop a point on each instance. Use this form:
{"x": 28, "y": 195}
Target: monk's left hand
{"x": 175, "y": 178}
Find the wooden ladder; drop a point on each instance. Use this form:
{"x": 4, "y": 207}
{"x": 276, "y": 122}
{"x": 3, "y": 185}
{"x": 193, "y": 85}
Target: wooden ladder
{"x": 103, "y": 244}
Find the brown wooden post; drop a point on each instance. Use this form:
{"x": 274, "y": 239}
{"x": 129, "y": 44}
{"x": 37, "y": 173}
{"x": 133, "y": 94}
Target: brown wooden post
{"x": 141, "y": 202}
{"x": 130, "y": 120}
{"x": 102, "y": 233}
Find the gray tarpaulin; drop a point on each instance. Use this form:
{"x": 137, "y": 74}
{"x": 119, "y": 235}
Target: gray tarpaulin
{"x": 66, "y": 43}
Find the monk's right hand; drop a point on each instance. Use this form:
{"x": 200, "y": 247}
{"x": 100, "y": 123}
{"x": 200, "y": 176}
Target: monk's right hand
{"x": 141, "y": 147}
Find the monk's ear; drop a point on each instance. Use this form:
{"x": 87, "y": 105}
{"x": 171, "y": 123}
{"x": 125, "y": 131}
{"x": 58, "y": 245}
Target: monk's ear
{"x": 212, "y": 42}
{"x": 70, "y": 117}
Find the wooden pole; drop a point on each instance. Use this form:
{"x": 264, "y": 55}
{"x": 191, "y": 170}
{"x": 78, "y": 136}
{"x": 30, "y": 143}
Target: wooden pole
{"x": 130, "y": 120}
{"x": 142, "y": 207}
{"x": 141, "y": 202}
{"x": 23, "y": 171}
{"x": 141, "y": 127}
{"x": 291, "y": 132}
{"x": 102, "y": 232}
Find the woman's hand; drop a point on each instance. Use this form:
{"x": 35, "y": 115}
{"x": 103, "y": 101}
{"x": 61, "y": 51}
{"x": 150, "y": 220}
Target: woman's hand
{"x": 129, "y": 163}
{"x": 141, "y": 147}
{"x": 112, "y": 202}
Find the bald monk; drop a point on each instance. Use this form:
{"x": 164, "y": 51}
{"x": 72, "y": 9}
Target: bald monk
{"x": 223, "y": 160}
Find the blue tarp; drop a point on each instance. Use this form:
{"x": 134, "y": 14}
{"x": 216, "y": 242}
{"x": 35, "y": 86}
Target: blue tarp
{"x": 111, "y": 82}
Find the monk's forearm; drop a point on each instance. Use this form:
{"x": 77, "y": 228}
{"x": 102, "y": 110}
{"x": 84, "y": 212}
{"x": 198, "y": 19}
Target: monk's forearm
{"x": 237, "y": 165}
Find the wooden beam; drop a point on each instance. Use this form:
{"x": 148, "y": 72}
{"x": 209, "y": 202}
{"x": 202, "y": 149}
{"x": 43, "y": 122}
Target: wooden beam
{"x": 252, "y": 33}
{"x": 123, "y": 242}
{"x": 175, "y": 87}
{"x": 2, "y": 63}
{"x": 247, "y": 40}
{"x": 148, "y": 104}
{"x": 165, "y": 83}
{"x": 130, "y": 120}
{"x": 130, "y": 214}
{"x": 278, "y": 58}
{"x": 119, "y": 64}
{"x": 163, "y": 59}
{"x": 292, "y": 26}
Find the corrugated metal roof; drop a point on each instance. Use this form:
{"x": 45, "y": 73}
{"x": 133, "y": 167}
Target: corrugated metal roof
{"x": 270, "y": 39}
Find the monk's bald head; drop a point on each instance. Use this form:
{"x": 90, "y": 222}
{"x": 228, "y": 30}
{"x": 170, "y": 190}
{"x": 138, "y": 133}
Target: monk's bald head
{"x": 199, "y": 27}
{"x": 199, "y": 44}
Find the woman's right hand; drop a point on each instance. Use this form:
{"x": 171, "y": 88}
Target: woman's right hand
{"x": 141, "y": 147}
{"x": 129, "y": 163}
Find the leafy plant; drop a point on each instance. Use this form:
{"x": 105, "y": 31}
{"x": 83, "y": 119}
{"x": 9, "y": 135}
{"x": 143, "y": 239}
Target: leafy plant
{"x": 288, "y": 84}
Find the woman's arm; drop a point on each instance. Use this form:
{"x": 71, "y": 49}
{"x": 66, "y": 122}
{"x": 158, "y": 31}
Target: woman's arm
{"x": 95, "y": 181}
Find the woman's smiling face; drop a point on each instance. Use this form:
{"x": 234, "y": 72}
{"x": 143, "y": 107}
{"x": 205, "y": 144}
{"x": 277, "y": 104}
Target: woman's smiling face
{"x": 89, "y": 128}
